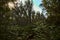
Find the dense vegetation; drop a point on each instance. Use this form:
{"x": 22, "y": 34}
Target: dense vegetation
{"x": 23, "y": 23}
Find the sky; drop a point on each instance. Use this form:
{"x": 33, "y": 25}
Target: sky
{"x": 36, "y": 2}
{"x": 35, "y": 5}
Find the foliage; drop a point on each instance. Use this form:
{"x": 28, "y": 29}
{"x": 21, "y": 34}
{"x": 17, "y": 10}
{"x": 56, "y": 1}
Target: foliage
{"x": 23, "y": 23}
{"x": 52, "y": 7}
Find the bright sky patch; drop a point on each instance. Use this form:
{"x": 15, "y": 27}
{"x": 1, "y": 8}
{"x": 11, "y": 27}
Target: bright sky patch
{"x": 36, "y": 4}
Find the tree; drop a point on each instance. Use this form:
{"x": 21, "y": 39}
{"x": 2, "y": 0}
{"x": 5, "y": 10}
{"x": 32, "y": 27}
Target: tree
{"x": 24, "y": 13}
{"x": 33, "y": 16}
{"x": 29, "y": 9}
{"x": 52, "y": 7}
{"x": 4, "y": 18}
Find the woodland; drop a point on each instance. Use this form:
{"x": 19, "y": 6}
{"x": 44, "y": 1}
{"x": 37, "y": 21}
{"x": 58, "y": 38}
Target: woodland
{"x": 21, "y": 22}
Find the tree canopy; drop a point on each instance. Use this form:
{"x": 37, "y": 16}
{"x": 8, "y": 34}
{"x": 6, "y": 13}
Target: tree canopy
{"x": 22, "y": 23}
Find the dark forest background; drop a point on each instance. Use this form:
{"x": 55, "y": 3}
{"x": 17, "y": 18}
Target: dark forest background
{"x": 23, "y": 23}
